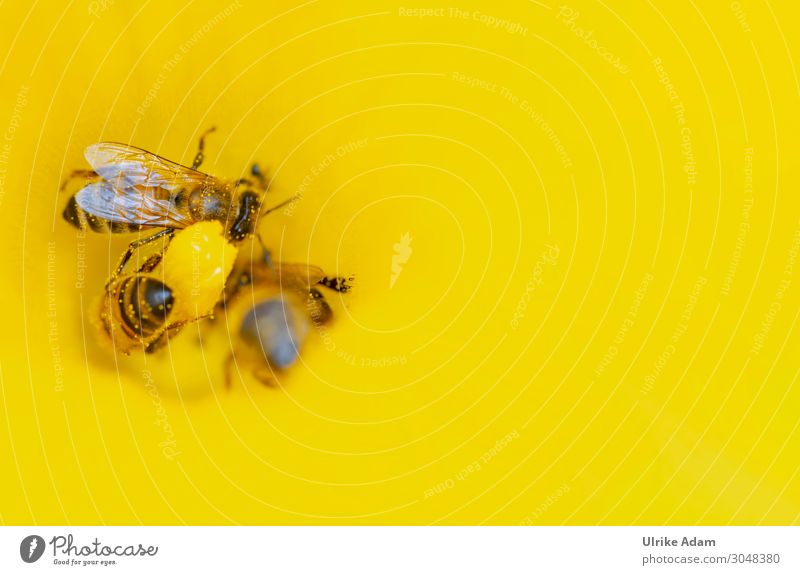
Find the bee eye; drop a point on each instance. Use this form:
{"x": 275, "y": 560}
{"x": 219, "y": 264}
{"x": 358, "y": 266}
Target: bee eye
{"x": 157, "y": 295}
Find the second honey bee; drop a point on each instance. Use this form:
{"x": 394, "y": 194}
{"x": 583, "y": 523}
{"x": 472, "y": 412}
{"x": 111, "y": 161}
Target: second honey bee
{"x": 272, "y": 323}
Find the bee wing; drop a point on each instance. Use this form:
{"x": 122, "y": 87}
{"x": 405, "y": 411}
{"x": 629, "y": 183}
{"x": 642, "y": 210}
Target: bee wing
{"x": 295, "y": 276}
{"x": 130, "y": 206}
{"x": 138, "y": 186}
{"x": 128, "y": 166}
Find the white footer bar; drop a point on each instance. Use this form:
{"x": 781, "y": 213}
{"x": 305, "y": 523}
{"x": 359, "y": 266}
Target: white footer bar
{"x": 400, "y": 550}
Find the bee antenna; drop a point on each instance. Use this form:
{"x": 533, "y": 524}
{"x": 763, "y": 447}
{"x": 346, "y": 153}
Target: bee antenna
{"x": 294, "y": 198}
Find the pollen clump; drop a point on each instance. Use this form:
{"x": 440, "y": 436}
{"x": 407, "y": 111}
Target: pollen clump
{"x": 196, "y": 265}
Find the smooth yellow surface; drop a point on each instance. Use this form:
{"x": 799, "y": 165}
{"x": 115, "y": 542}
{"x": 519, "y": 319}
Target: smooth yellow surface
{"x": 576, "y": 259}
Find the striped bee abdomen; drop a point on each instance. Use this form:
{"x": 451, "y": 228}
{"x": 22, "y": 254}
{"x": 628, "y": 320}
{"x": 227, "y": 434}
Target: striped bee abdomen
{"x": 144, "y": 304}
{"x": 83, "y": 220}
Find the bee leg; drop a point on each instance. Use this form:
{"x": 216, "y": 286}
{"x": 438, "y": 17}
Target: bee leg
{"x": 198, "y": 159}
{"x": 318, "y": 309}
{"x": 157, "y": 343}
{"x": 266, "y": 255}
{"x": 229, "y": 361}
{"x": 183, "y": 322}
{"x": 338, "y": 283}
{"x": 86, "y": 174}
{"x": 291, "y": 200}
{"x": 135, "y": 245}
{"x": 150, "y": 263}
{"x": 164, "y": 336}
{"x": 264, "y": 375}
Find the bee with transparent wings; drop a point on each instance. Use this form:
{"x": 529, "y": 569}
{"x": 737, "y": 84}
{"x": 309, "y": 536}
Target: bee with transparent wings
{"x": 131, "y": 190}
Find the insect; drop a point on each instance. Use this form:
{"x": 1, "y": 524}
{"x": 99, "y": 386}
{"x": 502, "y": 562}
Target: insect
{"x": 144, "y": 309}
{"x": 131, "y": 190}
{"x": 273, "y": 323}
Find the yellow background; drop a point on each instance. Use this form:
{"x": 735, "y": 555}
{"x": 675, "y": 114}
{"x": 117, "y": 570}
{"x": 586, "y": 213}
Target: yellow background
{"x": 596, "y": 323}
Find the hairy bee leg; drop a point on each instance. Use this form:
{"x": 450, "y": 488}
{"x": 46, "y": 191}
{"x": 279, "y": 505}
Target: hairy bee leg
{"x": 87, "y": 174}
{"x": 181, "y": 323}
{"x": 199, "y": 157}
{"x": 338, "y": 283}
{"x": 132, "y": 247}
{"x": 150, "y": 263}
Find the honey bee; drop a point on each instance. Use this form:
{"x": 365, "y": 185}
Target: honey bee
{"x": 284, "y": 302}
{"x": 131, "y": 190}
{"x": 136, "y": 310}
{"x": 144, "y": 309}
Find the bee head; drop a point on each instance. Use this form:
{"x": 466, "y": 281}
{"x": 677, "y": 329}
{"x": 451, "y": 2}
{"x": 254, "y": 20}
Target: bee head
{"x": 244, "y": 224}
